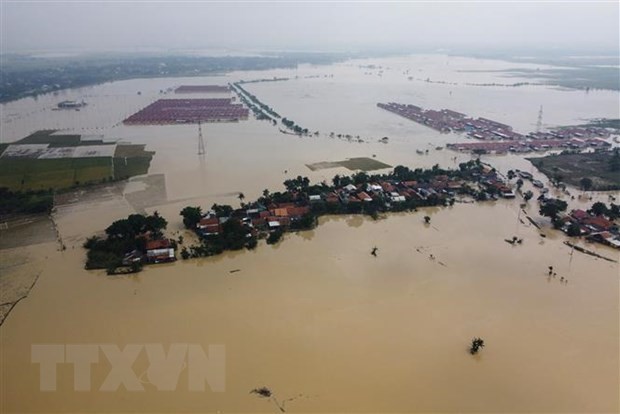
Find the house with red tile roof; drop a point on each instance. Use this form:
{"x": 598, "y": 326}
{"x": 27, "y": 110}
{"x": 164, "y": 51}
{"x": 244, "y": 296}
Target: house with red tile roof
{"x": 579, "y": 214}
{"x": 598, "y": 223}
{"x": 159, "y": 251}
{"x": 209, "y": 226}
{"x": 363, "y": 196}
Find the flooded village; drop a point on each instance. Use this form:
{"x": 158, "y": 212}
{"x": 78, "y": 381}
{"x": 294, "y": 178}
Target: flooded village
{"x": 325, "y": 266}
{"x": 496, "y": 137}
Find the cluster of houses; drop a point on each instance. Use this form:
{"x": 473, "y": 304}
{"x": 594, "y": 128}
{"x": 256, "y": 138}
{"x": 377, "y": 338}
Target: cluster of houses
{"x": 496, "y": 137}
{"x": 156, "y": 251}
{"x": 594, "y": 228}
{"x": 525, "y": 146}
{"x": 386, "y": 194}
{"x": 571, "y": 132}
{"x": 271, "y": 217}
{"x": 446, "y": 120}
{"x": 392, "y": 192}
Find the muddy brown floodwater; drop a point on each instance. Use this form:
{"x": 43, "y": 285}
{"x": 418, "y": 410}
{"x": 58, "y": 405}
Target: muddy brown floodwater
{"x": 316, "y": 318}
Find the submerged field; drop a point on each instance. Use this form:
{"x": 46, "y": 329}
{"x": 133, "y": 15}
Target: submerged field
{"x": 572, "y": 168}
{"x": 35, "y": 174}
{"x": 44, "y": 161}
{"x": 352, "y": 164}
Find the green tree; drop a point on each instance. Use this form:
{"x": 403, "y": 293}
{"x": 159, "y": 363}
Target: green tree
{"x": 274, "y": 236}
{"x": 222, "y": 210}
{"x": 401, "y": 172}
{"x": 552, "y": 207}
{"x": 614, "y": 161}
{"x": 155, "y": 224}
{"x": 191, "y": 216}
{"x": 614, "y": 212}
{"x": 573, "y": 230}
{"x": 234, "y": 235}
{"x": 599, "y": 209}
{"x": 586, "y": 183}
{"x": 360, "y": 178}
{"x": 336, "y": 180}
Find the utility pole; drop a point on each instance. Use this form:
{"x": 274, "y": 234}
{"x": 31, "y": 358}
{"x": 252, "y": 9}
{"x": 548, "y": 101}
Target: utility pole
{"x": 539, "y": 123}
{"x": 201, "y": 141}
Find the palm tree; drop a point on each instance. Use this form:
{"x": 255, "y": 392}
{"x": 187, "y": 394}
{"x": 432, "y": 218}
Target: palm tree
{"x": 241, "y": 197}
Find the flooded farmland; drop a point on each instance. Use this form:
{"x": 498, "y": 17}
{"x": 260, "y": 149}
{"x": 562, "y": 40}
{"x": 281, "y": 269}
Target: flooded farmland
{"x": 316, "y": 318}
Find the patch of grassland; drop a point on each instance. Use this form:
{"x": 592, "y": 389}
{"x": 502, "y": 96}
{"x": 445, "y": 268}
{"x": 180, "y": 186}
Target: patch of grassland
{"x": 571, "y": 168}
{"x": 129, "y": 167}
{"x": 132, "y": 150}
{"x": 131, "y": 160}
{"x": 362, "y": 163}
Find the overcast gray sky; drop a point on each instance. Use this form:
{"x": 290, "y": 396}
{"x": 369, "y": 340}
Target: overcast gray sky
{"x": 100, "y": 26}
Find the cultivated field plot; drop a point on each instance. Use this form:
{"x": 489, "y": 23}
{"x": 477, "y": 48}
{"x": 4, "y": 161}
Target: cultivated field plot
{"x": 183, "y": 111}
{"x": 353, "y": 164}
{"x": 41, "y": 174}
{"x": 47, "y": 161}
{"x": 571, "y": 168}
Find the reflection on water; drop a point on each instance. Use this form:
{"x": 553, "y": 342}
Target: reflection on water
{"x": 151, "y": 192}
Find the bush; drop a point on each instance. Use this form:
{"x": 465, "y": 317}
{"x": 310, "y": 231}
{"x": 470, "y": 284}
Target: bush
{"x": 274, "y": 236}
{"x": 573, "y": 230}
{"x": 252, "y": 243}
{"x": 97, "y": 259}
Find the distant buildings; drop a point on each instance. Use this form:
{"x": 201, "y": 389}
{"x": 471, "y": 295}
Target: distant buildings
{"x": 187, "y": 111}
{"x": 71, "y": 104}
{"x": 499, "y": 137}
{"x": 596, "y": 228}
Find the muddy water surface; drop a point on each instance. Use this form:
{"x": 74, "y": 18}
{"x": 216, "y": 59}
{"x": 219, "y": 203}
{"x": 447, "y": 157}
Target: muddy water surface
{"x": 316, "y": 317}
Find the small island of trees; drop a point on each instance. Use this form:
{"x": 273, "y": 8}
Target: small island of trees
{"x": 124, "y": 247}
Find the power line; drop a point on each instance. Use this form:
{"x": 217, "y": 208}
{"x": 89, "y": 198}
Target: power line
{"x": 201, "y": 141}
{"x": 539, "y": 123}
